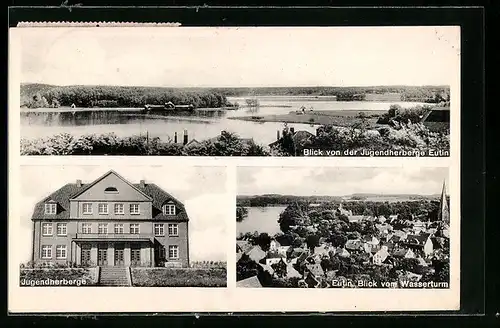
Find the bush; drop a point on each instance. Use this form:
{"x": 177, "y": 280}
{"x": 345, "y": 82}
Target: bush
{"x": 165, "y": 277}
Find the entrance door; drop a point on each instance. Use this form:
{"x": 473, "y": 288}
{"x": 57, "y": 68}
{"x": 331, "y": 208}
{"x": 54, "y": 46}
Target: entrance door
{"x": 119, "y": 252}
{"x": 85, "y": 257}
{"x": 102, "y": 255}
{"x": 135, "y": 256}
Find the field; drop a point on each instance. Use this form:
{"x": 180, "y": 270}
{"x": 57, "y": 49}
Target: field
{"x": 171, "y": 277}
{"x": 343, "y": 118}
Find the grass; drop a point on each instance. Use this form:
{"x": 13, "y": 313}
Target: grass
{"x": 343, "y": 118}
{"x": 173, "y": 277}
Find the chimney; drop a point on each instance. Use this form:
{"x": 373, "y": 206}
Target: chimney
{"x": 278, "y": 135}
{"x": 142, "y": 183}
{"x": 79, "y": 183}
{"x": 175, "y": 137}
{"x": 292, "y": 130}
{"x": 185, "y": 137}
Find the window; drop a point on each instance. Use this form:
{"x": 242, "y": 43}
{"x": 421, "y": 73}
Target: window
{"x": 111, "y": 190}
{"x": 134, "y": 228}
{"x": 103, "y": 208}
{"x": 119, "y": 209}
{"x": 46, "y": 251}
{"x": 102, "y": 228}
{"x": 60, "y": 251}
{"x": 119, "y": 228}
{"x": 159, "y": 229}
{"x": 87, "y": 208}
{"x": 173, "y": 229}
{"x": 169, "y": 209}
{"x": 134, "y": 208}
{"x": 50, "y": 208}
{"x": 62, "y": 229}
{"x": 173, "y": 252}
{"x": 86, "y": 227}
{"x": 47, "y": 229}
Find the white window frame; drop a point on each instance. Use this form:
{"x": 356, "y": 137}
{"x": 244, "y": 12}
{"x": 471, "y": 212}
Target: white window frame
{"x": 62, "y": 225}
{"x": 47, "y": 248}
{"x": 105, "y": 206}
{"x": 84, "y": 226}
{"x": 83, "y": 208}
{"x": 159, "y": 229}
{"x": 51, "y": 208}
{"x": 173, "y": 248}
{"x": 133, "y": 229}
{"x": 50, "y": 228}
{"x": 169, "y": 209}
{"x": 173, "y": 229}
{"x": 99, "y": 225}
{"x": 122, "y": 211}
{"x": 121, "y": 228}
{"x": 62, "y": 248}
{"x": 135, "y": 206}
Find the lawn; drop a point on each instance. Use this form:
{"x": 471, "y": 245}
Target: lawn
{"x": 177, "y": 277}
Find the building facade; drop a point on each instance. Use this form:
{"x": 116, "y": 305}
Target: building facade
{"x": 111, "y": 222}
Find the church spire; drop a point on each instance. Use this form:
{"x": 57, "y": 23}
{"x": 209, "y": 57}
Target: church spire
{"x": 444, "y": 212}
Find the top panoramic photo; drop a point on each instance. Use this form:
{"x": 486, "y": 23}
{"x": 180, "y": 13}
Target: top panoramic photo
{"x": 185, "y": 91}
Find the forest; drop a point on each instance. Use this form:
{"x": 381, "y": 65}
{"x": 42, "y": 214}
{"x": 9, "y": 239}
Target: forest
{"x": 44, "y": 96}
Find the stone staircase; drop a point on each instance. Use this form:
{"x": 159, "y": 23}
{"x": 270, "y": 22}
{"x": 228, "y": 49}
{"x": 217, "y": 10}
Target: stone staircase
{"x": 114, "y": 276}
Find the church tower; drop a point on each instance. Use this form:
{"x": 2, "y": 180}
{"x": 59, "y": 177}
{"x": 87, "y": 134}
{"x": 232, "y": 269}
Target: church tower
{"x": 444, "y": 211}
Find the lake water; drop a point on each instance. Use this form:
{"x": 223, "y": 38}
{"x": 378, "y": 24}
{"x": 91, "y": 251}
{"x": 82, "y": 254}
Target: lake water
{"x": 204, "y": 124}
{"x": 261, "y": 219}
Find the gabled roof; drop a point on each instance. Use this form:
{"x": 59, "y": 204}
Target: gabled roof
{"x": 315, "y": 269}
{"x": 252, "y": 282}
{"x": 110, "y": 172}
{"x": 417, "y": 240}
{"x": 354, "y": 244}
{"x": 69, "y": 191}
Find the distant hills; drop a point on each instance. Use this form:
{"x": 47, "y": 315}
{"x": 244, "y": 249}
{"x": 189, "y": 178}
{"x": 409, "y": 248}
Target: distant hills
{"x": 278, "y": 199}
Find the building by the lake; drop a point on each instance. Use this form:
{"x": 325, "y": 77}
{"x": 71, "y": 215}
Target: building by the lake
{"x": 111, "y": 222}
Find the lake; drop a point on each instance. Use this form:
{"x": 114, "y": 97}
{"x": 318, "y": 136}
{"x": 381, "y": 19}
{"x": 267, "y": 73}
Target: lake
{"x": 261, "y": 219}
{"x": 203, "y": 124}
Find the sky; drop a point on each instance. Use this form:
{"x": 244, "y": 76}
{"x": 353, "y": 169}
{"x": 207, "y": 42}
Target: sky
{"x": 201, "y": 189}
{"x": 240, "y": 57}
{"x": 340, "y": 181}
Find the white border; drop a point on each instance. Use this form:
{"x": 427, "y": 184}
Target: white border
{"x": 230, "y": 299}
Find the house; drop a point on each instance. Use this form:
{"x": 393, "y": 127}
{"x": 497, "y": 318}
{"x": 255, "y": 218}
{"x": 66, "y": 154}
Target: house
{"x": 311, "y": 280}
{"x": 243, "y": 246}
{"x": 380, "y": 256}
{"x": 111, "y": 222}
{"x": 300, "y": 139}
{"x": 256, "y": 253}
{"x": 315, "y": 269}
{"x": 252, "y": 282}
{"x": 403, "y": 253}
{"x": 282, "y": 248}
{"x": 291, "y": 272}
{"x": 354, "y": 246}
{"x": 342, "y": 252}
{"x": 372, "y": 240}
{"x": 273, "y": 258}
{"x": 322, "y": 250}
{"x": 398, "y": 236}
{"x": 421, "y": 243}
{"x": 437, "y": 119}
{"x": 383, "y": 228}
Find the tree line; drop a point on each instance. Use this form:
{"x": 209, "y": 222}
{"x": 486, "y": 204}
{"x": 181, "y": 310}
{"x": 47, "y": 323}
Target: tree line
{"x": 115, "y": 96}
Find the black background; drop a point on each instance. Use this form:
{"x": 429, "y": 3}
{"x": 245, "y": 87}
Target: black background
{"x": 473, "y": 165}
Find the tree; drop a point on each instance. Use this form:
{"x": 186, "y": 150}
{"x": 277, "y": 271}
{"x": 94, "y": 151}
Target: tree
{"x": 246, "y": 268}
{"x": 280, "y": 269}
{"x": 312, "y": 241}
{"x": 264, "y": 241}
{"x": 241, "y": 213}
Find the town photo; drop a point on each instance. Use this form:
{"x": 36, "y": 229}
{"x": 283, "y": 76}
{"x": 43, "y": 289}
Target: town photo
{"x": 343, "y": 91}
{"x": 344, "y": 227}
{"x": 141, "y": 226}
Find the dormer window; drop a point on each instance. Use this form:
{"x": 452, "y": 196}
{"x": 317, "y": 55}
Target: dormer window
{"x": 169, "y": 209}
{"x": 51, "y": 208}
{"x": 111, "y": 190}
